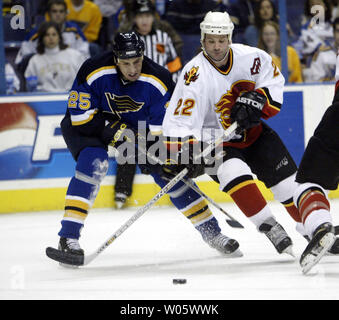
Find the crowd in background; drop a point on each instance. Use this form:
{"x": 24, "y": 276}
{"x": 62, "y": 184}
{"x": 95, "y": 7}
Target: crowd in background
{"x": 63, "y": 33}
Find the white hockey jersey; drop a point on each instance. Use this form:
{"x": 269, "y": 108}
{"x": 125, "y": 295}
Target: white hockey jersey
{"x": 55, "y": 69}
{"x": 204, "y": 94}
{"x": 323, "y": 66}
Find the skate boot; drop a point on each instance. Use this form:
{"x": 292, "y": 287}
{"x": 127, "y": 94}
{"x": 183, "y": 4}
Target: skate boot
{"x": 334, "y": 250}
{"x": 277, "y": 235}
{"x": 323, "y": 239}
{"x": 225, "y": 245}
{"x": 120, "y": 200}
{"x": 69, "y": 245}
{"x": 335, "y": 247}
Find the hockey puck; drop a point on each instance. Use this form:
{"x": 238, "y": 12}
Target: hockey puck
{"x": 179, "y": 281}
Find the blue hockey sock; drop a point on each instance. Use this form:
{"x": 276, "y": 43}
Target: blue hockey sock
{"x": 193, "y": 207}
{"x": 91, "y": 168}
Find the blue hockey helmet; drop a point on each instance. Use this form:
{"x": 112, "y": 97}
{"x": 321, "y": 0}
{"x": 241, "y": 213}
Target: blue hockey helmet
{"x": 128, "y": 45}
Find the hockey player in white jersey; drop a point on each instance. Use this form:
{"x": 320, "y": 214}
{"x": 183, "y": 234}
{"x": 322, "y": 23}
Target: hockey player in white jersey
{"x": 232, "y": 82}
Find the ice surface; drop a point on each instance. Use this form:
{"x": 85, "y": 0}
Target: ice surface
{"x": 160, "y": 246}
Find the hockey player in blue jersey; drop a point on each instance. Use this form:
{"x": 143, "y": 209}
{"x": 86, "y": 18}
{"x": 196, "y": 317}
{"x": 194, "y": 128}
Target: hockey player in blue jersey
{"x": 113, "y": 93}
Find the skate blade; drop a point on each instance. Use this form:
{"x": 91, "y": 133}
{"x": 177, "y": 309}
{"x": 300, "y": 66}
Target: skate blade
{"x": 235, "y": 254}
{"x": 311, "y": 260}
{"x": 289, "y": 251}
{"x": 119, "y": 205}
{"x": 68, "y": 266}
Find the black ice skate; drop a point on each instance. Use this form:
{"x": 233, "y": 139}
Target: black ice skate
{"x": 69, "y": 245}
{"x": 323, "y": 239}
{"x": 225, "y": 245}
{"x": 277, "y": 235}
{"x": 69, "y": 253}
{"x": 120, "y": 200}
{"x": 334, "y": 250}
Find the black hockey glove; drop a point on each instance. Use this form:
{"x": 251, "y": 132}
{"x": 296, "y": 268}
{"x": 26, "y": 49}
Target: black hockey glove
{"x": 183, "y": 159}
{"x": 247, "y": 110}
{"x": 116, "y": 132}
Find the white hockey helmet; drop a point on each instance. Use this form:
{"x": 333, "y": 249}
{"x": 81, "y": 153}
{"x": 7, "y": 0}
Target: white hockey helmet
{"x": 217, "y": 23}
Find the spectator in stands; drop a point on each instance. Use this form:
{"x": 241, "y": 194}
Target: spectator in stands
{"x": 269, "y": 40}
{"x": 185, "y": 15}
{"x": 316, "y": 30}
{"x": 108, "y": 9}
{"x": 87, "y": 15}
{"x": 264, "y": 11}
{"x": 54, "y": 67}
{"x": 334, "y": 9}
{"x": 242, "y": 15}
{"x": 323, "y": 64}
{"x": 71, "y": 34}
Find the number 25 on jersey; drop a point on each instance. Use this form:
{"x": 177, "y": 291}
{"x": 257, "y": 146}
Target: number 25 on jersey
{"x": 79, "y": 99}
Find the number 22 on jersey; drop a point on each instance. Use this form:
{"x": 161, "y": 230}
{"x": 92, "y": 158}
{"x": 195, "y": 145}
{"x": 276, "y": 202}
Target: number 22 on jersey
{"x": 184, "y": 108}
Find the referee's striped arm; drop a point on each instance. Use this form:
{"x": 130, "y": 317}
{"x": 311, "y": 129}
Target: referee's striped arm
{"x": 159, "y": 48}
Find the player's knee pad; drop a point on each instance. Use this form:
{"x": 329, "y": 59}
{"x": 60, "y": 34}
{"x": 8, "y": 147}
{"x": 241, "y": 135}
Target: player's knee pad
{"x": 284, "y": 190}
{"x": 231, "y": 170}
{"x": 305, "y": 187}
{"x": 92, "y": 165}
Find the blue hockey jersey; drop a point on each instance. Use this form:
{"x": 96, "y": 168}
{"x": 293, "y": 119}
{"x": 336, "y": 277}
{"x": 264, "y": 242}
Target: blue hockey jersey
{"x": 99, "y": 87}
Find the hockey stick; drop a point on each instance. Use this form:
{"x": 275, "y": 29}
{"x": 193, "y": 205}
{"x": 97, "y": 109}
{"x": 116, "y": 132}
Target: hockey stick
{"x": 80, "y": 260}
{"x": 231, "y": 221}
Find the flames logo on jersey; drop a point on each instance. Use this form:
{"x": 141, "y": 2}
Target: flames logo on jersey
{"x": 227, "y": 100}
{"x": 121, "y": 104}
{"x": 191, "y": 76}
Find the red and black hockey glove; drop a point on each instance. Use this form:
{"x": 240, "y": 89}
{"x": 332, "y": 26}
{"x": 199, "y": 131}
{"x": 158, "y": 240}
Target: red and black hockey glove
{"x": 247, "y": 110}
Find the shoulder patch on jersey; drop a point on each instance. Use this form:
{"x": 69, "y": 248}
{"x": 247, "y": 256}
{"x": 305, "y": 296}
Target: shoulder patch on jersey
{"x": 255, "y": 69}
{"x": 191, "y": 75}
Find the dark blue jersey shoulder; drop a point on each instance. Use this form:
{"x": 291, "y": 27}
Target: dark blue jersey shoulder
{"x": 103, "y": 60}
{"x": 154, "y": 69}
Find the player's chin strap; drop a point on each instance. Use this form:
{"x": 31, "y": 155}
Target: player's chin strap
{"x": 80, "y": 260}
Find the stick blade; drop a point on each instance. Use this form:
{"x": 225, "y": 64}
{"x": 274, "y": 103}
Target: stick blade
{"x": 64, "y": 257}
{"x": 234, "y": 224}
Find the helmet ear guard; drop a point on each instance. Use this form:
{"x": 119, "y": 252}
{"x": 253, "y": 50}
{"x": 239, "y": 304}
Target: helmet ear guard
{"x": 128, "y": 45}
